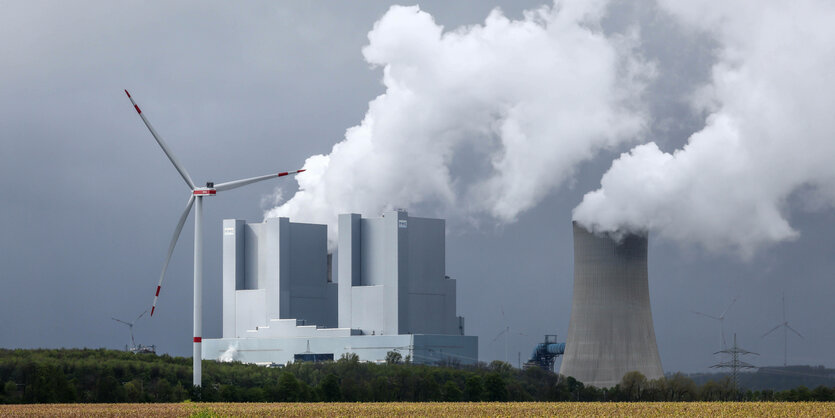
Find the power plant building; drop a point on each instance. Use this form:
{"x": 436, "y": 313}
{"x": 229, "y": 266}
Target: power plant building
{"x": 282, "y": 301}
{"x": 611, "y": 331}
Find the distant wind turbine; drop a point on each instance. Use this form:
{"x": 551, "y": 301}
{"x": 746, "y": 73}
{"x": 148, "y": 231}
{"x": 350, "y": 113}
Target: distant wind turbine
{"x": 506, "y": 332}
{"x": 721, "y": 319}
{"x": 130, "y": 325}
{"x": 786, "y": 328}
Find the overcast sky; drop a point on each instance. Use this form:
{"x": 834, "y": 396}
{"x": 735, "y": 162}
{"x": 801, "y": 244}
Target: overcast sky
{"x": 241, "y": 90}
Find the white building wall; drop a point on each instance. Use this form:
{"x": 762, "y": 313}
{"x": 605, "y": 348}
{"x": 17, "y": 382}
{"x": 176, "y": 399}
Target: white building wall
{"x": 392, "y": 293}
{"x": 233, "y": 271}
{"x": 405, "y": 257}
{"x": 275, "y": 270}
{"x": 251, "y": 310}
{"x": 424, "y": 349}
{"x": 348, "y": 264}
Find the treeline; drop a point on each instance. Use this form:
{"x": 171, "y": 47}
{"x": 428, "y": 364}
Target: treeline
{"x": 46, "y": 376}
{"x": 777, "y": 378}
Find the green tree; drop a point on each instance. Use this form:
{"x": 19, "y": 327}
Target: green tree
{"x": 354, "y": 389}
{"x": 382, "y": 390}
{"x": 428, "y": 389}
{"x": 288, "y": 388}
{"x": 393, "y": 357}
{"x": 133, "y": 391}
{"x": 451, "y": 392}
{"x": 329, "y": 389}
{"x": 505, "y": 369}
{"x": 823, "y": 394}
{"x": 574, "y": 388}
{"x": 681, "y": 388}
{"x": 495, "y": 388}
{"x": 231, "y": 393}
{"x": 473, "y": 388}
{"x": 717, "y": 391}
{"x": 162, "y": 390}
{"x": 253, "y": 395}
{"x": 108, "y": 389}
{"x": 632, "y": 385}
{"x": 349, "y": 358}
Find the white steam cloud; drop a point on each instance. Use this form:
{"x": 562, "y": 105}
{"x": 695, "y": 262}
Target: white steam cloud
{"x": 529, "y": 99}
{"x": 230, "y": 355}
{"x": 768, "y": 140}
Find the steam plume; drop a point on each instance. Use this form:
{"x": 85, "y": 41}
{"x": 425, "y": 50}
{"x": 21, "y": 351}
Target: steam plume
{"x": 230, "y": 355}
{"x": 768, "y": 140}
{"x": 527, "y": 99}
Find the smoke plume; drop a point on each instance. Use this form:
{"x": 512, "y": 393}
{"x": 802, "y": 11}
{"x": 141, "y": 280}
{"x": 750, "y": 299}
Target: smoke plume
{"x": 230, "y": 355}
{"x": 519, "y": 103}
{"x": 768, "y": 139}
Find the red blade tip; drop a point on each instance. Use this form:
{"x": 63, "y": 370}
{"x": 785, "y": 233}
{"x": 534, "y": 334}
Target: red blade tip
{"x": 126, "y": 92}
{"x": 299, "y": 171}
{"x": 152, "y": 310}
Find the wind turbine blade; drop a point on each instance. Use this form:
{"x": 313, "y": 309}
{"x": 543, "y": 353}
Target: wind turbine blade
{"x": 772, "y": 330}
{"x": 140, "y": 316}
{"x": 174, "y": 238}
{"x": 229, "y": 185}
{"x": 783, "y": 301}
{"x": 119, "y": 320}
{"x": 162, "y": 144}
{"x": 794, "y": 331}
{"x": 499, "y": 335}
{"x": 729, "y": 307}
{"x": 704, "y": 314}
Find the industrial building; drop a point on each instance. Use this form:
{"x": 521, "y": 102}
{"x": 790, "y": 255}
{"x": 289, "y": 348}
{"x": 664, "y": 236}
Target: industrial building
{"x": 282, "y": 301}
{"x": 610, "y": 332}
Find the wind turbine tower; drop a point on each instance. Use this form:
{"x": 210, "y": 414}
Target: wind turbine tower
{"x": 196, "y": 195}
{"x": 786, "y": 328}
{"x": 506, "y": 332}
{"x": 130, "y": 326}
{"x": 721, "y": 319}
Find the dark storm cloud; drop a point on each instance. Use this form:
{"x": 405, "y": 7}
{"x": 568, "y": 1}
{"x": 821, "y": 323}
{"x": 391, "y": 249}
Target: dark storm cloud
{"x": 90, "y": 201}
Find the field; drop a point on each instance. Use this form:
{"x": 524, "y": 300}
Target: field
{"x": 510, "y": 409}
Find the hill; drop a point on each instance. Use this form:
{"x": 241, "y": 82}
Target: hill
{"x": 776, "y": 378}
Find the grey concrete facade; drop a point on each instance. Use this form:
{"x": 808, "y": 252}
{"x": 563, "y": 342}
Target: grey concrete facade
{"x": 392, "y": 276}
{"x": 275, "y": 270}
{"x": 611, "y": 331}
{"x": 392, "y": 293}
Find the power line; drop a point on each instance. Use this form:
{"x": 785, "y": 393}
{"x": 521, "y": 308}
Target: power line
{"x": 735, "y": 364}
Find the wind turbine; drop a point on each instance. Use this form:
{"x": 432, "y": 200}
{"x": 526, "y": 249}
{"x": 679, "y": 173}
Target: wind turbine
{"x": 506, "y": 332}
{"x": 196, "y": 195}
{"x": 786, "y": 328}
{"x": 130, "y": 325}
{"x": 721, "y": 319}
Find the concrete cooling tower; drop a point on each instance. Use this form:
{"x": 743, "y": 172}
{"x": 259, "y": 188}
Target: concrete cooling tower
{"x": 611, "y": 331}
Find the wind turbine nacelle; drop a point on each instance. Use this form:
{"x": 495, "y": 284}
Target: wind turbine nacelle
{"x": 204, "y": 191}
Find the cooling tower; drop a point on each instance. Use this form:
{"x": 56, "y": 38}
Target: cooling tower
{"x": 611, "y": 331}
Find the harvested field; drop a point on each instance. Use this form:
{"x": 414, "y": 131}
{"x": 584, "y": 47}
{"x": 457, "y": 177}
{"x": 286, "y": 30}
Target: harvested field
{"x": 510, "y": 409}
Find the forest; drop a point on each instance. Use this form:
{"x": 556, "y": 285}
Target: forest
{"x": 100, "y": 375}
